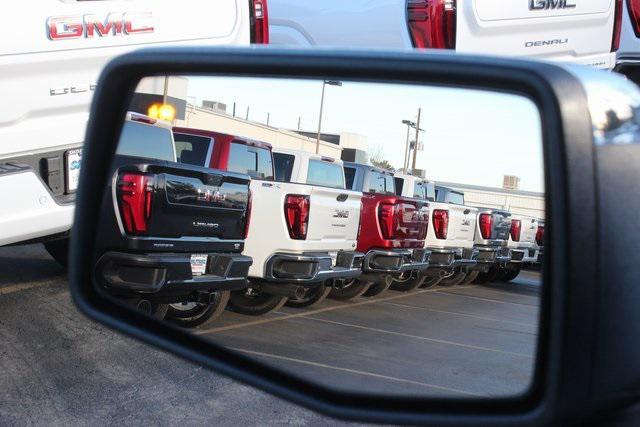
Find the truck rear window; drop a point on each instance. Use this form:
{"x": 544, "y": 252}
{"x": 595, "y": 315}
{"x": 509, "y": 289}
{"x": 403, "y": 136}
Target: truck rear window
{"x": 325, "y": 174}
{"x": 148, "y": 141}
{"x": 193, "y": 149}
{"x": 381, "y": 183}
{"x": 350, "y": 178}
{"x": 449, "y": 196}
{"x": 254, "y": 161}
{"x": 283, "y": 165}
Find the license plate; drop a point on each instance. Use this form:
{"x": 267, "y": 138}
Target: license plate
{"x": 73, "y": 162}
{"x": 199, "y": 264}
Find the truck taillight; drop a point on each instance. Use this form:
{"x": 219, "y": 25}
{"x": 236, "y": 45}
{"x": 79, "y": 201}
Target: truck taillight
{"x": 247, "y": 216}
{"x": 424, "y": 218}
{"x": 540, "y": 235}
{"x": 516, "y": 226}
{"x": 617, "y": 22}
{"x": 432, "y": 23}
{"x": 486, "y": 224}
{"x": 441, "y": 223}
{"x": 259, "y": 22}
{"x": 134, "y": 192}
{"x": 387, "y": 217}
{"x": 296, "y": 213}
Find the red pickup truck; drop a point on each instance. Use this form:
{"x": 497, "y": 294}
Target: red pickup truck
{"x": 392, "y": 233}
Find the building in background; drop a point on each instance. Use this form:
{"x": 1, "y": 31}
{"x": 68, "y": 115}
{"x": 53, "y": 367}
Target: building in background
{"x": 516, "y": 201}
{"x": 354, "y": 145}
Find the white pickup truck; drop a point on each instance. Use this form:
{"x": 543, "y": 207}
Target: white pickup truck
{"x": 584, "y": 32}
{"x": 50, "y": 59}
{"x": 302, "y": 236}
{"x": 492, "y": 234}
{"x": 522, "y": 246}
{"x": 450, "y": 237}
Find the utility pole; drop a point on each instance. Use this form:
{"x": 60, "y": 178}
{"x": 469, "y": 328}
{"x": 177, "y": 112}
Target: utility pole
{"x": 268, "y": 114}
{"x": 166, "y": 90}
{"x": 234, "y": 109}
{"x": 324, "y": 83}
{"x": 415, "y": 147}
{"x": 247, "y": 117}
{"x": 299, "y": 118}
{"x": 405, "y": 164}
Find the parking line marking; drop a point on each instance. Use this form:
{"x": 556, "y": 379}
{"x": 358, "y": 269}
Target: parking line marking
{"x": 416, "y": 307}
{"x": 352, "y": 371}
{"x": 320, "y": 310}
{"x": 487, "y": 299}
{"x": 418, "y": 337}
{"x": 24, "y": 286}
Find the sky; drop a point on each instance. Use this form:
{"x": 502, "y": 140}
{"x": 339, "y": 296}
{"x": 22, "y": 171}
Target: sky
{"x": 472, "y": 137}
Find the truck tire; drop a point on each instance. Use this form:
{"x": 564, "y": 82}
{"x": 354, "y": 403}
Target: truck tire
{"x": 155, "y": 310}
{"x": 254, "y": 303}
{"x": 409, "y": 283}
{"x": 457, "y": 278}
{"x": 430, "y": 282}
{"x": 311, "y": 296}
{"x": 194, "y": 314}
{"x": 378, "y": 288}
{"x": 59, "y": 251}
{"x": 509, "y": 275}
{"x": 470, "y": 278}
{"x": 351, "y": 289}
{"x": 489, "y": 276}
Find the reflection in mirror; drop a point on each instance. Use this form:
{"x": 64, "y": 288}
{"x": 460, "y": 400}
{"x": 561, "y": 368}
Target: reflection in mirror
{"x": 377, "y": 238}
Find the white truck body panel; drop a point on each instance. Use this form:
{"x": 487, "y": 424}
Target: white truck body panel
{"x": 50, "y": 83}
{"x": 580, "y": 34}
{"x": 327, "y": 231}
{"x": 527, "y": 240}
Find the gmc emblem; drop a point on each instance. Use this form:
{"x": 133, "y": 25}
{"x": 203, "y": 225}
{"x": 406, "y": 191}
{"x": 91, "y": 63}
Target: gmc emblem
{"x": 549, "y": 4}
{"x": 70, "y": 27}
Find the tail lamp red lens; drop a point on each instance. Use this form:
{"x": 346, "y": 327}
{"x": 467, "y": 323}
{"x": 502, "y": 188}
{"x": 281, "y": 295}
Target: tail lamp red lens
{"x": 135, "y": 193}
{"x": 247, "y": 216}
{"x": 424, "y": 219}
{"x": 540, "y": 235}
{"x": 441, "y": 223}
{"x": 259, "y": 22}
{"x": 486, "y": 224}
{"x": 516, "y": 227}
{"x": 388, "y": 219}
{"x": 432, "y": 23}
{"x": 617, "y": 23}
{"x": 296, "y": 213}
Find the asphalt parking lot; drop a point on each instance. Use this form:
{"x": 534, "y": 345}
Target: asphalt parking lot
{"x": 58, "y": 367}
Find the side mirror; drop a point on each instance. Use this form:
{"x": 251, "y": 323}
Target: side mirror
{"x": 152, "y": 221}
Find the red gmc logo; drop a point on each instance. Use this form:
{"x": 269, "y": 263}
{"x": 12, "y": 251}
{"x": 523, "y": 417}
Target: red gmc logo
{"x": 115, "y": 24}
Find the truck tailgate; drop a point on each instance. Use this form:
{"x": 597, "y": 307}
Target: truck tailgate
{"x": 192, "y": 203}
{"x": 462, "y": 225}
{"x": 501, "y": 225}
{"x": 50, "y": 82}
{"x": 560, "y": 29}
{"x": 529, "y": 230}
{"x": 334, "y": 214}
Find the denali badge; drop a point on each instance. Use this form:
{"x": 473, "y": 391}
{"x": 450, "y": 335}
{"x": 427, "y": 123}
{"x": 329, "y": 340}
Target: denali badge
{"x": 207, "y": 195}
{"x": 341, "y": 213}
{"x": 549, "y": 4}
{"x": 69, "y": 27}
{"x": 466, "y": 221}
{"x": 546, "y": 42}
{"x": 205, "y": 224}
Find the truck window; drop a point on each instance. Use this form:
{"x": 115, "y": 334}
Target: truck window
{"x": 419, "y": 191}
{"x": 381, "y": 183}
{"x": 430, "y": 189}
{"x": 193, "y": 149}
{"x": 283, "y": 165}
{"x": 148, "y": 141}
{"x": 325, "y": 174}
{"x": 399, "y": 185}
{"x": 254, "y": 161}
{"x": 350, "y": 178}
{"x": 456, "y": 198}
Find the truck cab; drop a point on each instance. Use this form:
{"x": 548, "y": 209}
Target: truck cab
{"x": 393, "y": 229}
{"x": 172, "y": 234}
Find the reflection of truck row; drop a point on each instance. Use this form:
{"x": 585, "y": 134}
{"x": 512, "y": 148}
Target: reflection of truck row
{"x": 50, "y": 78}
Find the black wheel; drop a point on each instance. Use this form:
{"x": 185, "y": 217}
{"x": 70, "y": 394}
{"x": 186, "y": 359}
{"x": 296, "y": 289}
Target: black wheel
{"x": 430, "y": 282}
{"x": 254, "y": 302}
{"x": 378, "y": 288}
{"x": 159, "y": 311}
{"x": 456, "y": 279}
{"x": 350, "y": 289}
{"x": 489, "y": 276}
{"x": 470, "y": 278}
{"x": 311, "y": 296}
{"x": 407, "y": 281}
{"x": 59, "y": 251}
{"x": 511, "y": 274}
{"x": 193, "y": 314}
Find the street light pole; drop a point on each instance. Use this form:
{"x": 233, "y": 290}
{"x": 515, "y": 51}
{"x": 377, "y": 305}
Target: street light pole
{"x": 405, "y": 164}
{"x": 415, "y": 148}
{"x": 324, "y": 83}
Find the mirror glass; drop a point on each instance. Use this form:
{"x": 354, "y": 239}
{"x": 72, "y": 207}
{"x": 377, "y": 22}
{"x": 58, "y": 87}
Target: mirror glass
{"x": 371, "y": 237}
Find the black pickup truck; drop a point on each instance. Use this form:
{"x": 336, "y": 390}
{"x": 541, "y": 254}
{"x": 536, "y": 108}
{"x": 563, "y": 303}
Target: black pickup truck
{"x": 172, "y": 234}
